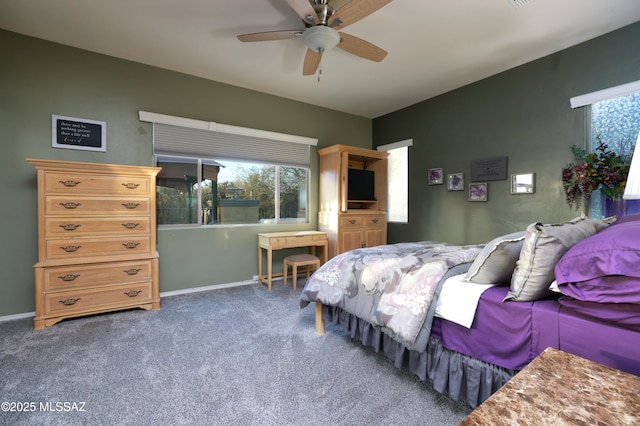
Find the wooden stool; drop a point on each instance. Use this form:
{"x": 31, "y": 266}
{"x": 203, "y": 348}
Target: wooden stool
{"x": 296, "y": 260}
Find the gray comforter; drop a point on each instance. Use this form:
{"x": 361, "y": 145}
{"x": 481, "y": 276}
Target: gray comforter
{"x": 392, "y": 286}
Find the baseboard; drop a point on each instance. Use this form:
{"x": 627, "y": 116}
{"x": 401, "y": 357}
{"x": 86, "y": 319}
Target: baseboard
{"x": 162, "y": 294}
{"x": 206, "y": 288}
{"x": 17, "y": 316}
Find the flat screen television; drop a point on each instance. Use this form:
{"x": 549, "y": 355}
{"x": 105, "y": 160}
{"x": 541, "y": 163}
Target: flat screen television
{"x": 361, "y": 185}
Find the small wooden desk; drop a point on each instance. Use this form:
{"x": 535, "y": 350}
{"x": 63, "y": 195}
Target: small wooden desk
{"x": 280, "y": 240}
{"x": 558, "y": 388}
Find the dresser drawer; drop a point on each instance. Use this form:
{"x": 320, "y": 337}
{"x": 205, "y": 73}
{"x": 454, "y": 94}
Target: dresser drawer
{"x": 67, "y": 302}
{"x": 375, "y": 220}
{"x": 125, "y": 225}
{"x": 77, "y": 206}
{"x": 350, "y": 220}
{"x": 82, "y": 276}
{"x": 83, "y": 183}
{"x": 77, "y": 248}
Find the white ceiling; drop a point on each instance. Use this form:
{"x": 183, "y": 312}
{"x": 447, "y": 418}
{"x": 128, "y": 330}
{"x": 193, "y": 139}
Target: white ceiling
{"x": 434, "y": 45}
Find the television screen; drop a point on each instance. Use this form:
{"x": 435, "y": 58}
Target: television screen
{"x": 361, "y": 185}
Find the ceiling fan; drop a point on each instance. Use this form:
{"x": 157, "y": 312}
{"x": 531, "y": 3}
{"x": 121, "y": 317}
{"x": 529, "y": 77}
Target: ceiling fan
{"x": 321, "y": 19}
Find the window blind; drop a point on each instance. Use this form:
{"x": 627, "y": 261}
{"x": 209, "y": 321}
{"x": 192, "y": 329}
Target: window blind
{"x": 185, "y": 137}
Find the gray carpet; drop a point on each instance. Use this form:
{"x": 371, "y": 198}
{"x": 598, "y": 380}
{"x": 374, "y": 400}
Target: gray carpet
{"x": 234, "y": 356}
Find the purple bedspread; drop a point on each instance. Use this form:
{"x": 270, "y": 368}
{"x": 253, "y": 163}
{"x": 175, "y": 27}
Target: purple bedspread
{"x": 512, "y": 334}
{"x": 590, "y": 335}
{"x": 507, "y": 334}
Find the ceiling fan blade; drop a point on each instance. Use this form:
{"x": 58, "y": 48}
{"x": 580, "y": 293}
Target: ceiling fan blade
{"x": 305, "y": 10}
{"x": 311, "y": 62}
{"x": 362, "y": 48}
{"x": 271, "y": 35}
{"x": 355, "y": 10}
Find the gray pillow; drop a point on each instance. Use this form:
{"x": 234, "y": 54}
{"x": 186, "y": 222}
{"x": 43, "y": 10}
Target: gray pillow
{"x": 543, "y": 246}
{"x": 497, "y": 260}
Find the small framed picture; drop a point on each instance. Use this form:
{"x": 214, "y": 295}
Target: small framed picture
{"x": 436, "y": 176}
{"x": 455, "y": 182}
{"x": 478, "y": 191}
{"x": 524, "y": 183}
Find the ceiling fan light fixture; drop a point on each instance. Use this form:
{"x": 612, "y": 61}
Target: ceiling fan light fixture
{"x": 320, "y": 38}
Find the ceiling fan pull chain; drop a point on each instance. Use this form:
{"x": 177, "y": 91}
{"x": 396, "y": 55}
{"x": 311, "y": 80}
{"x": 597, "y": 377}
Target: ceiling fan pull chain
{"x": 320, "y": 67}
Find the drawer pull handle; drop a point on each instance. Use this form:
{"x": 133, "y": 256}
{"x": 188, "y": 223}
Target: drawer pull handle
{"x": 68, "y": 277}
{"x": 70, "y": 226}
{"x": 70, "y": 205}
{"x": 71, "y": 249}
{"x": 132, "y": 271}
{"x": 131, "y": 245}
{"x": 131, "y": 185}
{"x": 70, "y": 183}
{"x": 69, "y": 302}
{"x": 130, "y": 206}
{"x": 132, "y": 293}
{"x": 352, "y": 221}
{"x": 374, "y": 220}
{"x": 130, "y": 225}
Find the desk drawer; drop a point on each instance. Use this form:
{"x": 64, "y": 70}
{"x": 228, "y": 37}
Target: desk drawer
{"x": 300, "y": 240}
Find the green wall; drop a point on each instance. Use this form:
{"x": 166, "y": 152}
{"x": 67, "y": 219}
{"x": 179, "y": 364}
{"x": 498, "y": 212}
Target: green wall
{"x": 524, "y": 114}
{"x": 39, "y": 78}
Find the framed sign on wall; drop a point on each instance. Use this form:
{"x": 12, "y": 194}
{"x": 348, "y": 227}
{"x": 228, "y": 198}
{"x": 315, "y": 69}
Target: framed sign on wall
{"x": 489, "y": 169}
{"x": 78, "y": 133}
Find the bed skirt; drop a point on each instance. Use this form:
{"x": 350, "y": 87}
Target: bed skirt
{"x": 461, "y": 377}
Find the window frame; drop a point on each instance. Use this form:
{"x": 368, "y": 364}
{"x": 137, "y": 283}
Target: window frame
{"x": 587, "y": 100}
{"x": 200, "y": 161}
{"x": 391, "y": 191}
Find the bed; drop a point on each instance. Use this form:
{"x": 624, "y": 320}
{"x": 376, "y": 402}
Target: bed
{"x": 468, "y": 318}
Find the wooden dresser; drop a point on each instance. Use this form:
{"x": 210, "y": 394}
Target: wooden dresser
{"x": 96, "y": 239}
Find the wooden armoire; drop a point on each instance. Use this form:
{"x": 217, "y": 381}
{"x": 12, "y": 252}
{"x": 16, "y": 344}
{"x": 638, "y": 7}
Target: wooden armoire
{"x": 352, "y": 223}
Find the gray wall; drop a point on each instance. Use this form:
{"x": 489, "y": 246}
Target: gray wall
{"x": 38, "y": 79}
{"x": 524, "y": 114}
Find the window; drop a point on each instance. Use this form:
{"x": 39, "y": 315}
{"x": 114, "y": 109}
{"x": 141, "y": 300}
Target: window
{"x": 398, "y": 176}
{"x": 196, "y": 191}
{"x": 215, "y": 174}
{"x": 615, "y": 122}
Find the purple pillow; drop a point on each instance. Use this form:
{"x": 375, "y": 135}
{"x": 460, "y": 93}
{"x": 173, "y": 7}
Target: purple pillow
{"x": 621, "y": 314}
{"x": 626, "y": 219}
{"x": 609, "y": 289}
{"x": 614, "y": 251}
